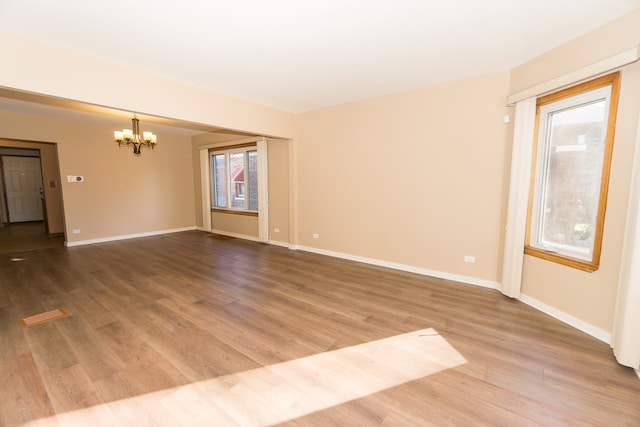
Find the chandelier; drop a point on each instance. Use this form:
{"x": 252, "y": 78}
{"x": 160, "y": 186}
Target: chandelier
{"x": 133, "y": 137}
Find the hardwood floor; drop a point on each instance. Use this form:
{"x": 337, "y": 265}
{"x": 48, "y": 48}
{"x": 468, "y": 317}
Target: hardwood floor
{"x": 27, "y": 236}
{"x": 189, "y": 329}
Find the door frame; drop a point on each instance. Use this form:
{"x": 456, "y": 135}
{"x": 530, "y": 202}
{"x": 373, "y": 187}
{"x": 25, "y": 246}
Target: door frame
{"x": 52, "y": 188}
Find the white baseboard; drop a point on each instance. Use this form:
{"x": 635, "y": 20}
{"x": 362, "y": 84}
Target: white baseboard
{"x": 236, "y": 235}
{"x": 127, "y": 236}
{"x": 403, "y": 267}
{"x": 282, "y": 244}
{"x": 567, "y": 318}
{"x": 551, "y": 311}
{"x": 244, "y": 236}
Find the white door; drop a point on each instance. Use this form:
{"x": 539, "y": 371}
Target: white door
{"x": 23, "y": 185}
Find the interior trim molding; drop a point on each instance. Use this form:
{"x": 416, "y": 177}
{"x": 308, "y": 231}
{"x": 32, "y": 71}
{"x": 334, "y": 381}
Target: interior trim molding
{"x": 127, "y": 236}
{"x": 532, "y": 302}
{"x": 403, "y": 267}
{"x": 603, "y": 66}
{"x": 551, "y": 311}
{"x": 236, "y": 235}
{"x": 567, "y": 318}
{"x": 246, "y": 237}
{"x": 281, "y": 244}
{"x": 225, "y": 144}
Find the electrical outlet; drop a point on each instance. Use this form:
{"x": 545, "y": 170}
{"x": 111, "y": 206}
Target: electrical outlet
{"x": 469, "y": 258}
{"x": 316, "y": 236}
{"x": 76, "y": 231}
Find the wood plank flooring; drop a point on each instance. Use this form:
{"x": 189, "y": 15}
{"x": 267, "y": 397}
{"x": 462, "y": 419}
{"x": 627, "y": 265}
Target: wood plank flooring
{"x": 189, "y": 329}
{"x": 27, "y": 236}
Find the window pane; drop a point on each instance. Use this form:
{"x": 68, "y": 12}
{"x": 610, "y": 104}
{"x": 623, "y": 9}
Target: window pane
{"x": 237, "y": 180}
{"x": 252, "y": 180}
{"x": 572, "y": 187}
{"x": 575, "y": 133}
{"x": 219, "y": 177}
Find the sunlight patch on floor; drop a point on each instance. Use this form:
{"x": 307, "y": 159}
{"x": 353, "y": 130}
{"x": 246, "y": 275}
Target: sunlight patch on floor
{"x": 284, "y": 391}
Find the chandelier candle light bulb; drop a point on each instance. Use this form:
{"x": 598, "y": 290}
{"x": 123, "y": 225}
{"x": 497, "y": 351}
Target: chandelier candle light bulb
{"x": 132, "y": 137}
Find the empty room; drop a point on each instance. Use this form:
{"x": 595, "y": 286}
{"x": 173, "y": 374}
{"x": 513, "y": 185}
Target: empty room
{"x": 358, "y": 213}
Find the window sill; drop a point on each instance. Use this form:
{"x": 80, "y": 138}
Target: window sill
{"x": 234, "y": 212}
{"x": 561, "y": 259}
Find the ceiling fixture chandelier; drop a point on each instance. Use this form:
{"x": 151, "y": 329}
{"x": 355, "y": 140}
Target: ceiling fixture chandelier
{"x": 133, "y": 137}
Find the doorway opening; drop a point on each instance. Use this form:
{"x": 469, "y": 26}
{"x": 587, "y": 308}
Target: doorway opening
{"x": 30, "y": 198}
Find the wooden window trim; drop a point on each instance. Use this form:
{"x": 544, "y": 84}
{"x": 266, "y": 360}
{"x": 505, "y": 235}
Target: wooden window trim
{"x": 233, "y": 212}
{"x": 233, "y": 147}
{"x": 228, "y": 149}
{"x": 589, "y": 266}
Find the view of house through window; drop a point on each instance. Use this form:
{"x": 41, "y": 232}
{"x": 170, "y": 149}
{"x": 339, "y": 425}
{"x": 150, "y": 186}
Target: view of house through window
{"x": 574, "y": 143}
{"x": 234, "y": 175}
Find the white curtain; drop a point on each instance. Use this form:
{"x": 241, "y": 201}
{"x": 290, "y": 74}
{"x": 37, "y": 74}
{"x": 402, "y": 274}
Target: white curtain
{"x": 625, "y": 339}
{"x": 263, "y": 191}
{"x": 205, "y": 185}
{"x": 521, "y": 158}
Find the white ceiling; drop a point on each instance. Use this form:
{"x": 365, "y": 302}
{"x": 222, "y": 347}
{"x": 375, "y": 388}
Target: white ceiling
{"x": 300, "y": 55}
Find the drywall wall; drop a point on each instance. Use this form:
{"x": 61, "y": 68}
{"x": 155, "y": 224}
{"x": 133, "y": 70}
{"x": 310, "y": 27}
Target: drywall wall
{"x": 122, "y": 194}
{"x": 235, "y": 225}
{"x": 415, "y": 178}
{"x": 279, "y": 186}
{"x": 597, "y": 45}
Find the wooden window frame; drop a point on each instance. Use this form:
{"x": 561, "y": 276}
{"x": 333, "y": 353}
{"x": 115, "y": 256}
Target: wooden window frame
{"x": 612, "y": 80}
{"x": 226, "y": 150}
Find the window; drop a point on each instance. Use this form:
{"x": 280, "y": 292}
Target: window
{"x": 234, "y": 175}
{"x": 572, "y": 157}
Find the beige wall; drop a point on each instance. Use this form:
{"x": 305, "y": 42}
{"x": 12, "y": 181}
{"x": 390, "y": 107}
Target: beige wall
{"x": 604, "y": 42}
{"x": 414, "y": 178}
{"x": 590, "y": 297}
{"x": 278, "y": 151}
{"x": 122, "y": 194}
{"x": 240, "y": 225}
